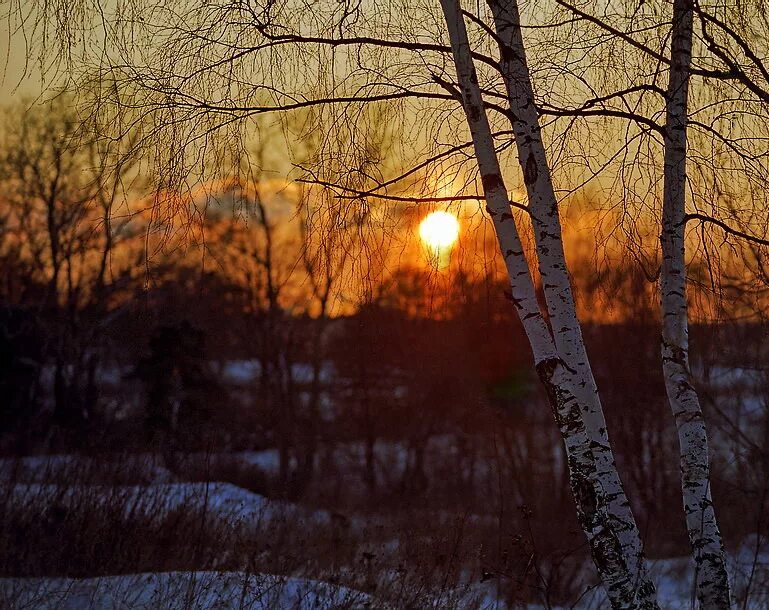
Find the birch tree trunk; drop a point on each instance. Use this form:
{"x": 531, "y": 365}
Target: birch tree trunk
{"x": 602, "y": 507}
{"x": 560, "y": 300}
{"x": 704, "y": 535}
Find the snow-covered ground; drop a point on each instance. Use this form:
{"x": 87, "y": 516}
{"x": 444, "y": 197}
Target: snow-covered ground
{"x": 30, "y": 485}
{"x": 218, "y": 591}
{"x": 242, "y": 372}
{"x": 241, "y": 591}
{"x": 177, "y": 591}
{"x": 223, "y": 502}
{"x": 391, "y": 458}
{"x": 144, "y": 468}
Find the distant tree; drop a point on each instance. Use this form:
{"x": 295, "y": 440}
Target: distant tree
{"x": 364, "y": 352}
{"x": 462, "y": 87}
{"x": 403, "y": 370}
{"x": 61, "y": 185}
{"x": 21, "y": 360}
{"x": 182, "y": 395}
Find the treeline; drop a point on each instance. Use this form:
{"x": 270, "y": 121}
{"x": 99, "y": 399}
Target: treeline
{"x": 123, "y": 328}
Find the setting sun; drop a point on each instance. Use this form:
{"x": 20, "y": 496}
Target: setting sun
{"x": 439, "y": 229}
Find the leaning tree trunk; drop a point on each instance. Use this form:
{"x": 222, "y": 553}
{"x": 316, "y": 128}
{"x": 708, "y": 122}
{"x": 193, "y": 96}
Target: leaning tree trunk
{"x": 602, "y": 507}
{"x": 558, "y": 293}
{"x": 705, "y": 537}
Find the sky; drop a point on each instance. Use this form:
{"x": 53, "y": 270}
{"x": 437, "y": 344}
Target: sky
{"x": 14, "y": 84}
{"x": 20, "y": 78}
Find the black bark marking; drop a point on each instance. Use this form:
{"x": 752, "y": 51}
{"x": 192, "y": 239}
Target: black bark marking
{"x": 591, "y": 501}
{"x": 492, "y": 182}
{"x": 530, "y": 170}
{"x": 543, "y": 235}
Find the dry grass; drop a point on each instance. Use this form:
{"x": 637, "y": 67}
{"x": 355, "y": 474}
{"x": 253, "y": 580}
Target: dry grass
{"x": 92, "y": 522}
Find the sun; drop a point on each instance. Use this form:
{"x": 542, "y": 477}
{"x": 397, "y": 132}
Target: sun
{"x": 439, "y": 230}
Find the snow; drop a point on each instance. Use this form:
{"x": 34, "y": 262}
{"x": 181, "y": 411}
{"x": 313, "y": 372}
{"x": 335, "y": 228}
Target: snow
{"x": 29, "y": 485}
{"x": 179, "y": 590}
{"x": 268, "y": 461}
{"x": 240, "y": 372}
{"x": 730, "y": 377}
{"x": 391, "y": 458}
{"x": 130, "y": 468}
{"x": 223, "y": 502}
{"x": 242, "y": 591}
{"x": 243, "y": 372}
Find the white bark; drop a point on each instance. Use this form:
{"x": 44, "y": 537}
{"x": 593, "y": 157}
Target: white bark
{"x": 638, "y": 590}
{"x": 522, "y": 294}
{"x": 562, "y": 365}
{"x": 704, "y": 535}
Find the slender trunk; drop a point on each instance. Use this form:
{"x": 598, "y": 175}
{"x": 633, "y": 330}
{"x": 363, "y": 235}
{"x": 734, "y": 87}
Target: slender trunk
{"x": 556, "y": 282}
{"x": 705, "y": 537}
{"x": 284, "y": 459}
{"x": 369, "y": 473}
{"x": 312, "y": 428}
{"x": 54, "y": 247}
{"x": 602, "y": 507}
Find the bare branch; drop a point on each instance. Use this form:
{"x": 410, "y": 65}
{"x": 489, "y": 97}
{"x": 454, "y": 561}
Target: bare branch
{"x": 726, "y": 228}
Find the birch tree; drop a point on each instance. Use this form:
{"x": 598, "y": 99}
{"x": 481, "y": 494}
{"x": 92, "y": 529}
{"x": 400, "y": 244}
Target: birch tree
{"x": 711, "y": 577}
{"x": 559, "y": 351}
{"x": 733, "y": 85}
{"x": 554, "y": 334}
{"x": 204, "y": 72}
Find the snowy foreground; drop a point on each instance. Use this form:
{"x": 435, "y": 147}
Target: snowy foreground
{"x": 177, "y": 590}
{"x": 221, "y": 503}
{"x": 240, "y": 591}
{"x": 213, "y": 591}
{"x": 30, "y": 487}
